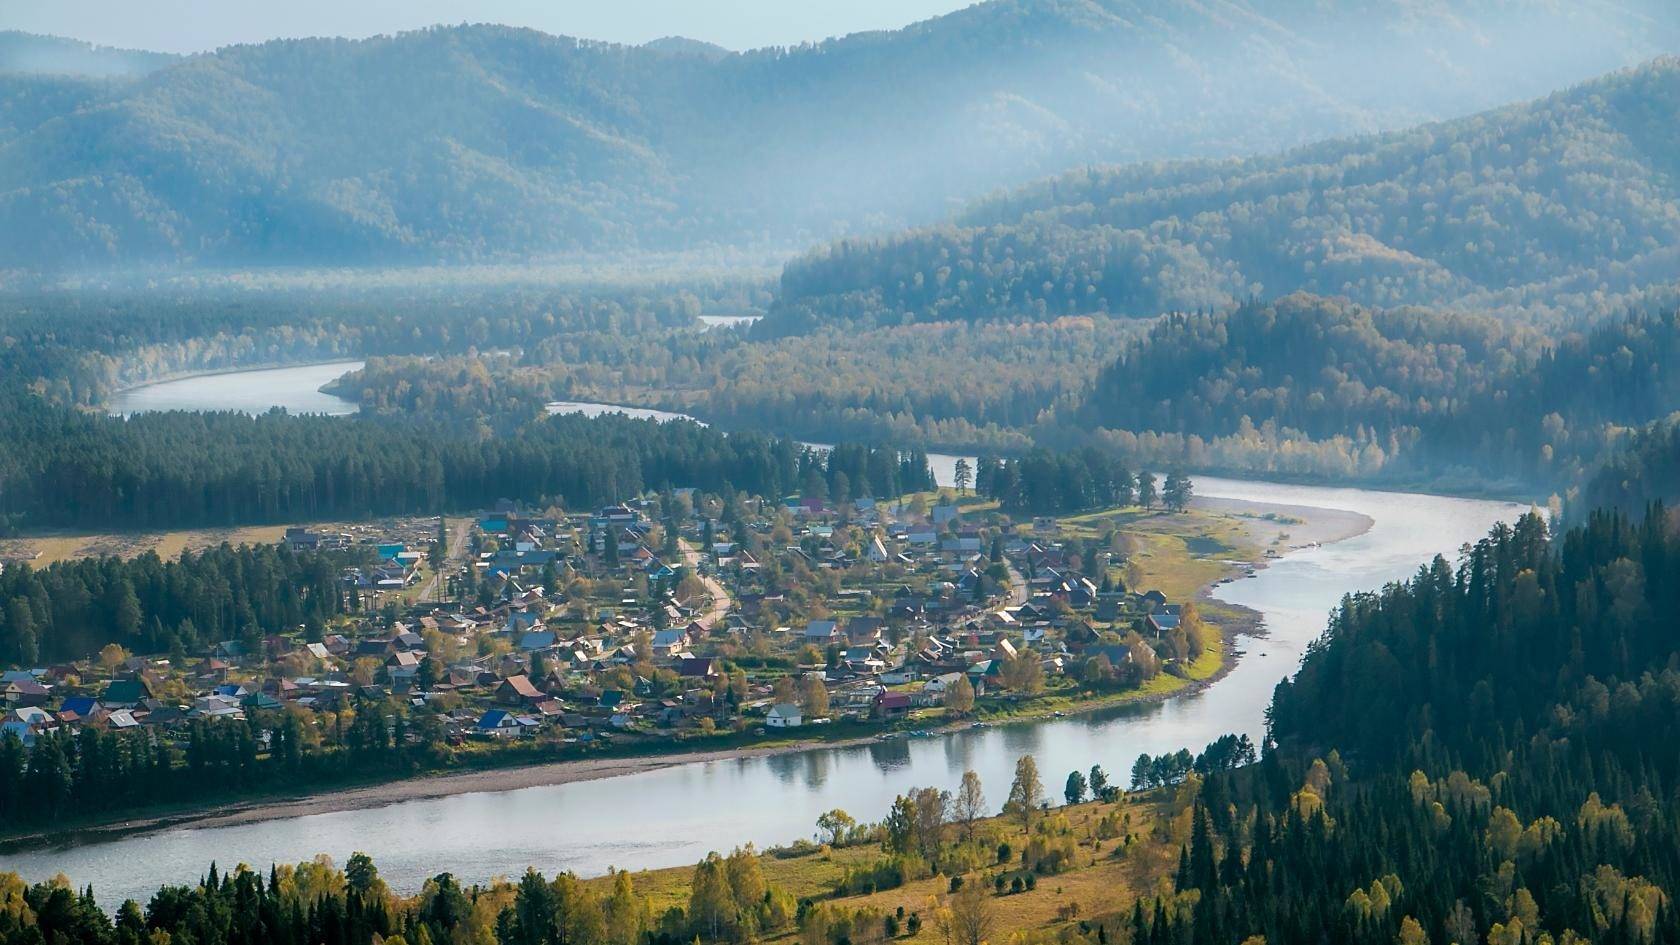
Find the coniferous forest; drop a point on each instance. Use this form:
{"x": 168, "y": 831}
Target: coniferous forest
{"x": 1472, "y": 755}
{"x": 1098, "y": 247}
{"x": 174, "y": 470}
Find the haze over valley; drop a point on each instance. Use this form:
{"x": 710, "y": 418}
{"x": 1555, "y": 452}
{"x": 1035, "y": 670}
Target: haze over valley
{"x": 1058, "y": 472}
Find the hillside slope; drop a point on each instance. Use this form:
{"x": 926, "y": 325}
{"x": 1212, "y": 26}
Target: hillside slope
{"x": 1564, "y": 206}
{"x": 480, "y": 142}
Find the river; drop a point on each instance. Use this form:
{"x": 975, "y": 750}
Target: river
{"x": 298, "y": 389}
{"x": 676, "y": 815}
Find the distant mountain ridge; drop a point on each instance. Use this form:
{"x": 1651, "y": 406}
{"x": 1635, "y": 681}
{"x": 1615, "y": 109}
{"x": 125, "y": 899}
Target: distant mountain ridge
{"x": 33, "y": 54}
{"x": 1561, "y": 208}
{"x": 683, "y": 46}
{"x": 478, "y": 142}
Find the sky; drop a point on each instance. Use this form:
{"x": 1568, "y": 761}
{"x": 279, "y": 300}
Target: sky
{"x": 186, "y": 26}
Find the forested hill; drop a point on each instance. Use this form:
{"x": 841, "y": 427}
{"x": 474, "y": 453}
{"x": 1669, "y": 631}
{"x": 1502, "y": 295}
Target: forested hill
{"x": 485, "y": 142}
{"x": 1497, "y": 762}
{"x": 1565, "y": 206}
{"x": 30, "y": 54}
{"x": 1405, "y": 394}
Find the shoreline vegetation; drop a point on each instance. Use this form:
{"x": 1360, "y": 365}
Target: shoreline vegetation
{"x": 1454, "y": 485}
{"x": 1267, "y": 526}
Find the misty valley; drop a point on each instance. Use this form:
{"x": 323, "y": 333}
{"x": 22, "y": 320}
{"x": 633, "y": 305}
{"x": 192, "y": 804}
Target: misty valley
{"x": 1058, "y": 472}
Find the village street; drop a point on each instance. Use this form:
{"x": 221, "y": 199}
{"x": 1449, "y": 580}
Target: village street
{"x": 721, "y": 601}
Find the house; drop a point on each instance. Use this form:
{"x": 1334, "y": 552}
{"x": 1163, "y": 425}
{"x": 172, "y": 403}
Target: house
{"x": 891, "y": 705}
{"x": 536, "y": 640}
{"x": 822, "y": 631}
{"x": 261, "y": 700}
{"x": 943, "y": 682}
{"x": 697, "y": 667}
{"x": 861, "y": 631}
{"x": 402, "y": 666}
{"x": 125, "y": 693}
{"x": 24, "y": 732}
{"x": 25, "y": 692}
{"x": 124, "y": 719}
{"x": 1117, "y": 654}
{"x": 216, "y": 706}
{"x": 80, "y": 709}
{"x": 1161, "y": 623}
{"x": 518, "y": 690}
{"x": 784, "y": 715}
{"x": 668, "y": 643}
{"x": 500, "y": 723}
{"x": 35, "y": 716}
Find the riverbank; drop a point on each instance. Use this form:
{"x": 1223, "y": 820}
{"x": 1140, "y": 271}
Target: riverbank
{"x": 495, "y": 780}
{"x": 1265, "y": 524}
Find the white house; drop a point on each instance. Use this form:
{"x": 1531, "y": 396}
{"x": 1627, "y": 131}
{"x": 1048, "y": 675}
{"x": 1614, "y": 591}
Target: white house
{"x": 784, "y": 715}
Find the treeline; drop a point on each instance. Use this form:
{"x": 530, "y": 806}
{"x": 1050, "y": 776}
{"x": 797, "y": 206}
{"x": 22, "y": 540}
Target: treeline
{"x": 70, "y": 609}
{"x": 1547, "y": 210}
{"x": 78, "y": 347}
{"x": 1482, "y": 753}
{"x": 730, "y": 901}
{"x": 96, "y": 771}
{"x": 1057, "y": 483}
{"x": 974, "y": 387}
{"x": 63, "y": 468}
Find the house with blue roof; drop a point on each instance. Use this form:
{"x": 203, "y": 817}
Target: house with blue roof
{"x": 500, "y": 723}
{"x": 536, "y": 640}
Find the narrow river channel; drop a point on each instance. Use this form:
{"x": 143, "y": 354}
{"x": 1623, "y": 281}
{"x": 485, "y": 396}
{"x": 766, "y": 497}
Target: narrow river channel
{"x": 675, "y": 815}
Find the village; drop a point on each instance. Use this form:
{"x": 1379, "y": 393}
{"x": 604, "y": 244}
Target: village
{"x": 664, "y": 620}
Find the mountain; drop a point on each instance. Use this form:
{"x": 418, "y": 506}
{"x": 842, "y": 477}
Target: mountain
{"x": 31, "y": 54}
{"x": 683, "y": 46}
{"x": 483, "y": 142}
{"x": 1560, "y": 208}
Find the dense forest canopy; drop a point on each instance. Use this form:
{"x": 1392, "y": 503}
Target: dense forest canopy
{"x": 1421, "y": 391}
{"x": 947, "y": 384}
{"x": 1551, "y": 211}
{"x": 480, "y": 142}
{"x": 1645, "y": 470}
{"x": 1478, "y": 754}
{"x": 60, "y": 467}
